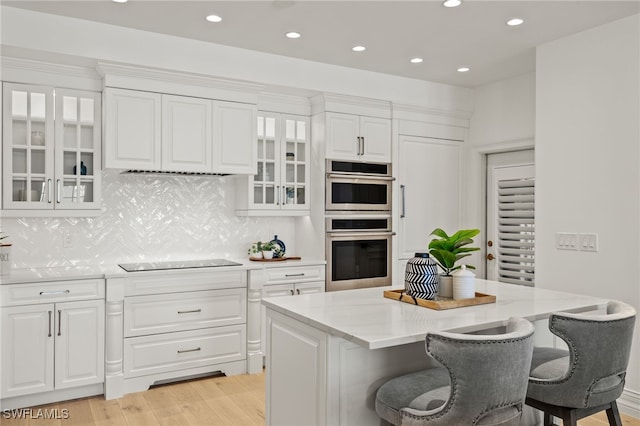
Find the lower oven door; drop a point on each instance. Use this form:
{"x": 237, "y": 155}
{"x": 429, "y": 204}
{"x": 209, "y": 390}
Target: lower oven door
{"x": 358, "y": 260}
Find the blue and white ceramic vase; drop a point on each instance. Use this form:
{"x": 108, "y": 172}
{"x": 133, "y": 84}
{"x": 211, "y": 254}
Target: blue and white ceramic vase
{"x": 421, "y": 277}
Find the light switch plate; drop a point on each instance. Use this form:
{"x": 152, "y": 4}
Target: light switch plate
{"x": 588, "y": 242}
{"x": 566, "y": 241}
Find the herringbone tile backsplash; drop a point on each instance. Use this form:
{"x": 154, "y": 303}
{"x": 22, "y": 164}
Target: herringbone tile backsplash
{"x": 147, "y": 217}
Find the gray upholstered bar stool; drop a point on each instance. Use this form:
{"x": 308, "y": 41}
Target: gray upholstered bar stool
{"x": 483, "y": 381}
{"x": 590, "y": 376}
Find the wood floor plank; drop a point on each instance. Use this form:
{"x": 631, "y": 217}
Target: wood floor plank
{"x": 235, "y": 400}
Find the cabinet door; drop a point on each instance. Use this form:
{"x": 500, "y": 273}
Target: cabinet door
{"x": 132, "y": 130}
{"x": 27, "y": 344}
{"x": 342, "y": 132}
{"x": 429, "y": 195}
{"x": 264, "y": 186}
{"x": 28, "y": 147}
{"x": 78, "y": 163}
{"x": 79, "y": 347}
{"x": 294, "y": 158}
{"x": 308, "y": 288}
{"x": 376, "y": 134}
{"x": 186, "y": 134}
{"x": 234, "y": 130}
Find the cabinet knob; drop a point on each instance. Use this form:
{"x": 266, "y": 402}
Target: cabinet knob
{"x": 490, "y": 257}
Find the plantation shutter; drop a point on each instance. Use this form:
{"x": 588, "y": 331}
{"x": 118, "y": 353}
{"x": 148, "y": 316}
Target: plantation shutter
{"x": 516, "y": 231}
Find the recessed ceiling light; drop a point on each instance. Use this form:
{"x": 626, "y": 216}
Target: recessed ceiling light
{"x": 463, "y": 69}
{"x": 293, "y": 34}
{"x": 358, "y": 48}
{"x": 416, "y": 60}
{"x": 120, "y": 1}
{"x": 214, "y": 18}
{"x": 452, "y": 3}
{"x": 515, "y": 22}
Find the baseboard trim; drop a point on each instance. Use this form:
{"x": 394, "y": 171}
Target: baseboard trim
{"x": 629, "y": 403}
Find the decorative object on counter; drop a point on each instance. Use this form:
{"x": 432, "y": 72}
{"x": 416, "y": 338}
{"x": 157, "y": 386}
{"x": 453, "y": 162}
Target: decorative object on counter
{"x": 5, "y": 255}
{"x": 464, "y": 284}
{"x": 83, "y": 169}
{"x": 447, "y": 251}
{"x": 439, "y": 303}
{"x": 279, "y": 247}
{"x": 261, "y": 250}
{"x": 421, "y": 277}
{"x": 275, "y": 259}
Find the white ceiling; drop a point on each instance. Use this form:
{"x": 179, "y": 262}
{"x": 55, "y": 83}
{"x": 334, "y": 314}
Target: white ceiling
{"x": 472, "y": 35}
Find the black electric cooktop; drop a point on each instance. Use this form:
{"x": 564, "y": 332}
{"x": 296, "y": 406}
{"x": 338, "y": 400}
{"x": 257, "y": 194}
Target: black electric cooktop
{"x": 177, "y": 264}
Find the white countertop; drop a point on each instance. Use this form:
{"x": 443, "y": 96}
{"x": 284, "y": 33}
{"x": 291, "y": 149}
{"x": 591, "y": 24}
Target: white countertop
{"x": 30, "y": 275}
{"x": 366, "y": 317}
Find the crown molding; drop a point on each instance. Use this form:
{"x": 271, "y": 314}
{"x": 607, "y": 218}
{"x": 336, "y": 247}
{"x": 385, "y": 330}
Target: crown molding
{"x": 431, "y": 115}
{"x": 177, "y": 83}
{"x": 288, "y": 104}
{"x": 332, "y": 102}
{"x": 30, "y": 71}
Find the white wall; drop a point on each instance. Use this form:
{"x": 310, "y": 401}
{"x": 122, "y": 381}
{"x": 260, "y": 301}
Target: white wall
{"x": 503, "y": 120}
{"x": 588, "y": 164}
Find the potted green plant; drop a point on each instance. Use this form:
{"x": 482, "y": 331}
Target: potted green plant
{"x": 5, "y": 255}
{"x": 261, "y": 250}
{"x": 447, "y": 250}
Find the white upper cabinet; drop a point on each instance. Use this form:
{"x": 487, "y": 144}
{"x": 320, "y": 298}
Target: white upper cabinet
{"x": 186, "y": 134}
{"x": 359, "y": 138}
{"x": 234, "y": 138}
{"x": 280, "y": 185}
{"x": 169, "y": 133}
{"x": 51, "y": 150}
{"x": 132, "y": 129}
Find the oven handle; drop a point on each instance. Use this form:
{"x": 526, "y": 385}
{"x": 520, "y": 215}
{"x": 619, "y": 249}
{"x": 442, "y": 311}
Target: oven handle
{"x": 359, "y": 234}
{"x": 356, "y": 177}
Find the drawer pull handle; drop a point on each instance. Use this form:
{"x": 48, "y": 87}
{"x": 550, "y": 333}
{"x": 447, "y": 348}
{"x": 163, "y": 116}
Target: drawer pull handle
{"x": 59, "y": 322}
{"x": 49, "y": 293}
{"x": 190, "y": 312}
{"x": 297, "y": 290}
{"x": 188, "y": 350}
{"x": 291, "y": 291}
{"x": 294, "y": 275}
{"x": 49, "y": 324}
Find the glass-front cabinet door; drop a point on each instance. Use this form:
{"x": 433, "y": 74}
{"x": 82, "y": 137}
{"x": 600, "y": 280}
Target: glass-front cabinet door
{"x": 266, "y": 183}
{"x": 51, "y": 148}
{"x": 295, "y": 170}
{"x": 281, "y": 182}
{"x": 27, "y": 147}
{"x": 77, "y": 153}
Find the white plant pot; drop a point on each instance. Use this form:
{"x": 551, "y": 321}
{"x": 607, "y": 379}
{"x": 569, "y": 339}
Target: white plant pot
{"x": 5, "y": 260}
{"x": 445, "y": 286}
{"x": 267, "y": 254}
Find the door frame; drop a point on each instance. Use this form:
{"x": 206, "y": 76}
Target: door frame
{"x": 477, "y": 212}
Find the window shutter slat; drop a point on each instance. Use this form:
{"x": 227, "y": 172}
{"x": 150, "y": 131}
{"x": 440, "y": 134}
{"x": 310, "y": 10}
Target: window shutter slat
{"x": 516, "y": 231}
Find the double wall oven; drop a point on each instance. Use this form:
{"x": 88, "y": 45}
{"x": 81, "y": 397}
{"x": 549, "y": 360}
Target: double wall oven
{"x": 358, "y": 225}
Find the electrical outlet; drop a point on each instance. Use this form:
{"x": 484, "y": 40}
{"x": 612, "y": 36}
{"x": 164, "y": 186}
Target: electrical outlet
{"x": 588, "y": 242}
{"x": 67, "y": 242}
{"x": 566, "y": 241}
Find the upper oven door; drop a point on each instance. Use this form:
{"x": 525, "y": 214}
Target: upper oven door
{"x": 351, "y": 193}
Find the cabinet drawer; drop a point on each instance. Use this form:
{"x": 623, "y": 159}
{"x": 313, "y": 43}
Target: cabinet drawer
{"x": 154, "y": 283}
{"x": 48, "y": 292}
{"x": 185, "y": 349}
{"x": 170, "y": 312}
{"x": 294, "y": 274}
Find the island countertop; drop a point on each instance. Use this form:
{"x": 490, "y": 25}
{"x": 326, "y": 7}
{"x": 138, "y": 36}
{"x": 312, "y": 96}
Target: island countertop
{"x": 366, "y": 317}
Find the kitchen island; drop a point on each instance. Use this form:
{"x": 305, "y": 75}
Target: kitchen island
{"x": 327, "y": 354}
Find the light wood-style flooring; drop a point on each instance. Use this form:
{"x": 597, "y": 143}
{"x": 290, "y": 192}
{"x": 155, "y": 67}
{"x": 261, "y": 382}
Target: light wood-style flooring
{"x": 234, "y": 400}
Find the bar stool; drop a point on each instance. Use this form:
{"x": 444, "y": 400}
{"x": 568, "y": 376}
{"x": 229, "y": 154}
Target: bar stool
{"x": 590, "y": 376}
{"x": 483, "y": 381}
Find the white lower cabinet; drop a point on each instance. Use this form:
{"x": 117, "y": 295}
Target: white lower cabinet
{"x": 172, "y": 325}
{"x": 52, "y": 345}
{"x": 286, "y": 281}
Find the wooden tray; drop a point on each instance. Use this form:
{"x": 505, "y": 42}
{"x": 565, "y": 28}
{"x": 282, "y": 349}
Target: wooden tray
{"x": 440, "y": 303}
{"x": 277, "y": 259}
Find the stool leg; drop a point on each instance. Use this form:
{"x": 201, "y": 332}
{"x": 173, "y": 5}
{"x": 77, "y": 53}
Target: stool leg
{"x": 548, "y": 419}
{"x": 569, "y": 418}
{"x": 613, "y": 415}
